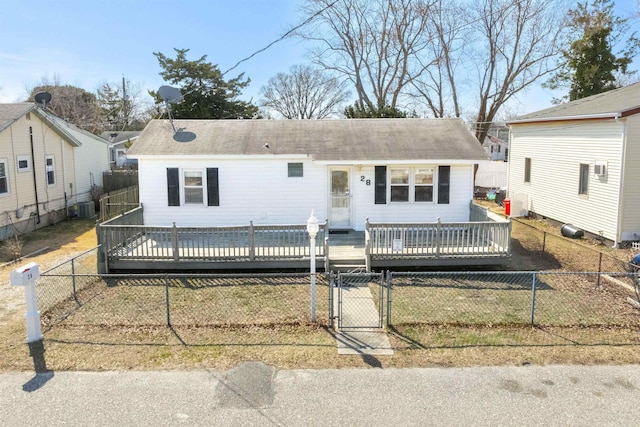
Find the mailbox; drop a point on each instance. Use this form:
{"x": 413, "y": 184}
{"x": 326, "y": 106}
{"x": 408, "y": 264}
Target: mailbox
{"x": 25, "y": 275}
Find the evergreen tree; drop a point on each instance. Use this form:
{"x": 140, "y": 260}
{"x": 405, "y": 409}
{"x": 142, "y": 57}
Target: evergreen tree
{"x": 590, "y": 66}
{"x": 207, "y": 95}
{"x": 360, "y": 111}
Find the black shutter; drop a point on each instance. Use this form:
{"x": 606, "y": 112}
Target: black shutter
{"x": 381, "y": 185}
{"x": 444, "y": 177}
{"x": 173, "y": 186}
{"x": 213, "y": 193}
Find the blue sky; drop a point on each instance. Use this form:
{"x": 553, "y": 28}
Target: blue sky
{"x": 89, "y": 42}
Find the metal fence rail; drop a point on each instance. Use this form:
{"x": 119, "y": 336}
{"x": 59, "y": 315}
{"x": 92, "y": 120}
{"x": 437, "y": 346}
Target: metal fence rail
{"x": 497, "y": 308}
{"x": 202, "y": 300}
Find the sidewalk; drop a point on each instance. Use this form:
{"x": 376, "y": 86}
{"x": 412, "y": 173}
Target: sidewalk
{"x": 256, "y": 394}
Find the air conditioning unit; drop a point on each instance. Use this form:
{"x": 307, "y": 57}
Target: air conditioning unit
{"x": 600, "y": 169}
{"x": 86, "y": 210}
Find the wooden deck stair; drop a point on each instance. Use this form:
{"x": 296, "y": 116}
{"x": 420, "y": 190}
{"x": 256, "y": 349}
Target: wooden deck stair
{"x": 346, "y": 251}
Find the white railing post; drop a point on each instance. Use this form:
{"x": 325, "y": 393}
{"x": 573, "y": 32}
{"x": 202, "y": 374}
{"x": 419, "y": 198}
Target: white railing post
{"x": 438, "y": 238}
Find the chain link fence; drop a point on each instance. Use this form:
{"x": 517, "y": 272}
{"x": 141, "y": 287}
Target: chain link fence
{"x": 511, "y": 308}
{"x": 203, "y": 300}
{"x": 570, "y": 254}
{"x": 73, "y": 276}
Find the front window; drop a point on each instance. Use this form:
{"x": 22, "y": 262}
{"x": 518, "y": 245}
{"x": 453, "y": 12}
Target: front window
{"x": 583, "y": 187}
{"x": 4, "y": 180}
{"x": 193, "y": 187}
{"x": 51, "y": 171}
{"x": 424, "y": 185}
{"x": 527, "y": 169}
{"x": 400, "y": 185}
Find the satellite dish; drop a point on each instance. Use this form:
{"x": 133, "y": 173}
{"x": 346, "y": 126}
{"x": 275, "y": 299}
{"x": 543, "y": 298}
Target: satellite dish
{"x": 42, "y": 98}
{"x": 170, "y": 94}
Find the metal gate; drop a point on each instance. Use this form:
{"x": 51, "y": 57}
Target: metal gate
{"x": 357, "y": 300}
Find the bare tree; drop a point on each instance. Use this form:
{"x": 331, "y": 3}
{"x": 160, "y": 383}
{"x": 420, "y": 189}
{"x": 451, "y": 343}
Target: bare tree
{"x": 371, "y": 42}
{"x": 516, "y": 43}
{"x": 122, "y": 106}
{"x": 304, "y": 93}
{"x": 440, "y": 82}
{"x": 70, "y": 103}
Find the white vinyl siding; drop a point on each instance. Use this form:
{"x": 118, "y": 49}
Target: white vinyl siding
{"x": 556, "y": 151}
{"x": 630, "y": 218}
{"x": 254, "y": 190}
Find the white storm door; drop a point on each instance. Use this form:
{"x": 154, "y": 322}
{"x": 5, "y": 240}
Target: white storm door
{"x": 339, "y": 198}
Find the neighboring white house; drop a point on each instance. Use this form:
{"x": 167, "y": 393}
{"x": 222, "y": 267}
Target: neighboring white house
{"x": 579, "y": 163}
{"x": 119, "y": 141}
{"x": 230, "y": 172}
{"x": 46, "y": 166}
{"x": 496, "y": 148}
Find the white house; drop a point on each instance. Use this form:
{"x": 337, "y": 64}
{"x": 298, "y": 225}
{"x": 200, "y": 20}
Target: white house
{"x": 496, "y": 148}
{"x": 119, "y": 141}
{"x": 578, "y": 163}
{"x": 230, "y": 172}
{"x": 46, "y": 166}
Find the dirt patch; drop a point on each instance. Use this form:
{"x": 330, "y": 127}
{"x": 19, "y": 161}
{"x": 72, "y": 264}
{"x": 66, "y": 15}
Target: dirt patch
{"x": 49, "y": 246}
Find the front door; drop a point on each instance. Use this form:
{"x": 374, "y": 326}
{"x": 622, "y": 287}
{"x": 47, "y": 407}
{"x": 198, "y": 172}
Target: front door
{"x": 339, "y": 198}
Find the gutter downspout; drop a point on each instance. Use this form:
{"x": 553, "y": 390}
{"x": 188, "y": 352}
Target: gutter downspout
{"x": 35, "y": 182}
{"x": 621, "y": 182}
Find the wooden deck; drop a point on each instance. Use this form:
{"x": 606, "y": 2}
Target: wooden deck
{"x": 127, "y": 246}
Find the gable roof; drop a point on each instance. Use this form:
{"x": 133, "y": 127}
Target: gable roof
{"x": 323, "y": 140}
{"x": 616, "y": 103}
{"x": 117, "y": 136}
{"x": 9, "y": 113}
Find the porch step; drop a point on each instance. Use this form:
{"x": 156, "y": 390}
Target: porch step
{"x": 346, "y": 265}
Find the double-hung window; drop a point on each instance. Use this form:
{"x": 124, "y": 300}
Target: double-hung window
{"x": 51, "y": 171}
{"x": 4, "y": 179}
{"x": 400, "y": 185}
{"x": 423, "y": 183}
{"x": 411, "y": 185}
{"x": 193, "y": 187}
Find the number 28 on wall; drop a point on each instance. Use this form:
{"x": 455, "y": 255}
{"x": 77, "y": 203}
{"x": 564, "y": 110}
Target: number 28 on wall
{"x": 365, "y": 180}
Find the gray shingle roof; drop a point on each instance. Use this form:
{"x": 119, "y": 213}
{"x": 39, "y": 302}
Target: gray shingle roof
{"x": 120, "y": 136}
{"x": 613, "y": 102}
{"x": 328, "y": 140}
{"x": 9, "y": 113}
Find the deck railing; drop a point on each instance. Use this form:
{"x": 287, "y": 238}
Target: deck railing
{"x": 210, "y": 244}
{"x": 437, "y": 240}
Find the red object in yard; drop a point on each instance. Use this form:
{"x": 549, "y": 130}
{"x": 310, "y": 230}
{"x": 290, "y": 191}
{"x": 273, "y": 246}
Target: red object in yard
{"x": 507, "y": 207}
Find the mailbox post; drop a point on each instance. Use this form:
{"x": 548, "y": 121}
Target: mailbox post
{"x": 26, "y": 276}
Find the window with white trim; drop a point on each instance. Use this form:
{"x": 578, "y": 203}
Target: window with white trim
{"x": 23, "y": 163}
{"x": 399, "y": 183}
{"x": 412, "y": 185}
{"x": 423, "y": 185}
{"x": 4, "y": 178}
{"x": 193, "y": 187}
{"x": 51, "y": 170}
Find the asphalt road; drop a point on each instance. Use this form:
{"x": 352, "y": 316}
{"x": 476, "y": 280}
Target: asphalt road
{"x": 256, "y": 394}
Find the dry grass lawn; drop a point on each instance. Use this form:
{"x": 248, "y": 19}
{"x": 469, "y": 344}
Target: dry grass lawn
{"x": 296, "y": 344}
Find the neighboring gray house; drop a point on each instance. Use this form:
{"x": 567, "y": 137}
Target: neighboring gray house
{"x": 230, "y": 172}
{"x": 119, "y": 141}
{"x": 579, "y": 163}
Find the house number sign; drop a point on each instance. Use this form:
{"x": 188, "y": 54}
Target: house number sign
{"x": 365, "y": 180}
